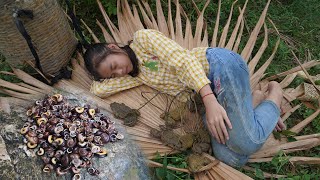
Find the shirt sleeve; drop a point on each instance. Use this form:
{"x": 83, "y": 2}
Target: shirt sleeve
{"x": 111, "y": 86}
{"x": 188, "y": 69}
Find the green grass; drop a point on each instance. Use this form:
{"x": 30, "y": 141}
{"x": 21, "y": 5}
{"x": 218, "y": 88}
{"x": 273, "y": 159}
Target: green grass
{"x": 295, "y": 19}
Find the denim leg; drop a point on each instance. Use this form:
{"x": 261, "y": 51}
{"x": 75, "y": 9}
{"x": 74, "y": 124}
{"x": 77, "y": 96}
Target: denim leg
{"x": 225, "y": 154}
{"x": 230, "y": 83}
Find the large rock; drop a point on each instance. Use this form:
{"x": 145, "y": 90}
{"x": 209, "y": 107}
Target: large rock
{"x": 124, "y": 160}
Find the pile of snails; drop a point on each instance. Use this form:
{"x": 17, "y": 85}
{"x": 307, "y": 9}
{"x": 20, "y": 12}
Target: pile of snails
{"x": 67, "y": 137}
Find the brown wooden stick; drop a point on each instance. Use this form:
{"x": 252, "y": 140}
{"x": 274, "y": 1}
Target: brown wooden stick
{"x": 306, "y": 65}
{"x": 297, "y": 128}
{"x": 288, "y": 113}
{"x": 294, "y": 160}
{"x": 156, "y": 164}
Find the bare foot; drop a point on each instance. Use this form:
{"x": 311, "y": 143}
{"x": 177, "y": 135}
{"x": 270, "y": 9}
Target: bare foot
{"x": 280, "y": 125}
{"x": 275, "y": 93}
{"x": 257, "y": 98}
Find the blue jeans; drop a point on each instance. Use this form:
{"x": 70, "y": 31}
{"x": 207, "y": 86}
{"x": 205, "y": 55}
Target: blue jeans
{"x": 250, "y": 127}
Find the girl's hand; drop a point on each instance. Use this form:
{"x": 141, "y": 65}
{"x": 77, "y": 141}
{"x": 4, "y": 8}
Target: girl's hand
{"x": 216, "y": 116}
{"x": 217, "y": 119}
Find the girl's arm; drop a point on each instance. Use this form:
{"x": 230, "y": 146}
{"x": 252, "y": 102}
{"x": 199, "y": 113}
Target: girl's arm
{"x": 113, "y": 85}
{"x": 216, "y": 115}
{"x": 190, "y": 72}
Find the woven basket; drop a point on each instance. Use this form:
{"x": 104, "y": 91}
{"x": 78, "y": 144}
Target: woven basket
{"x": 49, "y": 30}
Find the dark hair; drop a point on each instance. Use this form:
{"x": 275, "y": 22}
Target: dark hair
{"x": 96, "y": 53}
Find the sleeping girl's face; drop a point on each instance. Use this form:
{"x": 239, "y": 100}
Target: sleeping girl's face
{"x": 115, "y": 65}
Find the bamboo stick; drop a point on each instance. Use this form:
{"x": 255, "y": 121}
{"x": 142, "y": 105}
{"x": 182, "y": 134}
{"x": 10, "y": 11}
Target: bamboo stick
{"x": 31, "y": 80}
{"x": 288, "y": 113}
{"x": 306, "y": 65}
{"x": 16, "y": 87}
{"x": 297, "y": 128}
{"x": 156, "y": 164}
{"x": 301, "y": 144}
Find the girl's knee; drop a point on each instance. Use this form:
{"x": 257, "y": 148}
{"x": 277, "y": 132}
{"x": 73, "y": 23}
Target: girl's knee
{"x": 227, "y": 59}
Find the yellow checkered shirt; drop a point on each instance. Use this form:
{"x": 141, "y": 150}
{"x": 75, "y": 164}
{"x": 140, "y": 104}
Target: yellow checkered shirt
{"x": 174, "y": 70}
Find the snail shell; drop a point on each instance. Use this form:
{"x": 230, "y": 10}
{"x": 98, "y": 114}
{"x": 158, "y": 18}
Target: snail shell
{"x": 53, "y": 121}
{"x": 75, "y": 170}
{"x": 50, "y": 153}
{"x": 95, "y": 130}
{"x": 96, "y": 124}
{"x": 59, "y": 141}
{"x": 73, "y": 134}
{"x": 65, "y": 160}
{"x": 57, "y": 97}
{"x": 58, "y": 129}
{"x": 40, "y": 136}
{"x": 58, "y": 154}
{"x": 60, "y": 172}
{"x": 95, "y": 149}
{"x": 54, "y": 160}
{"x": 44, "y": 144}
{"x": 31, "y": 145}
{"x": 91, "y": 171}
{"x": 79, "y": 110}
{"x": 46, "y": 134}
{"x": 82, "y": 144}
{"x": 47, "y": 168}
{"x": 50, "y": 139}
{"x": 105, "y": 138}
{"x": 40, "y": 152}
{"x": 76, "y": 162}
{"x": 91, "y": 112}
{"x": 102, "y": 153}
{"x": 33, "y": 127}
{"x": 32, "y": 133}
{"x": 81, "y": 138}
{"x": 73, "y": 128}
{"x": 74, "y": 156}
{"x": 71, "y": 143}
{"x": 76, "y": 177}
{"x": 33, "y": 140}
{"x": 29, "y": 112}
{"x": 113, "y": 137}
{"x": 97, "y": 139}
{"x": 27, "y": 124}
{"x": 24, "y": 130}
{"x": 83, "y": 152}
